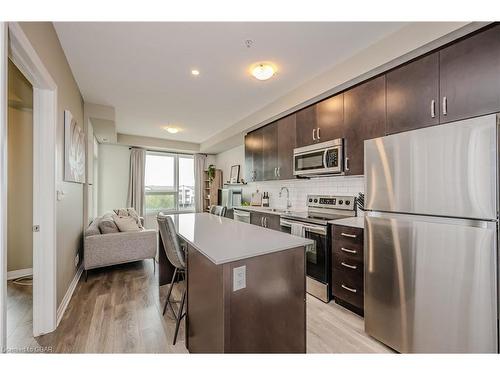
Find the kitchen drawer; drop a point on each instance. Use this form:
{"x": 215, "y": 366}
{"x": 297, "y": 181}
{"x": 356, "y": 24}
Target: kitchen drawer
{"x": 348, "y": 263}
{"x": 348, "y": 287}
{"x": 345, "y": 234}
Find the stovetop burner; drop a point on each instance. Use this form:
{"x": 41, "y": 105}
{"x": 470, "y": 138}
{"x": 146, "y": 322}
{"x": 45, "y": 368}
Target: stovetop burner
{"x": 323, "y": 208}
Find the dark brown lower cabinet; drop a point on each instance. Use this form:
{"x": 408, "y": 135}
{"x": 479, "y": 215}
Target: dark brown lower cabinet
{"x": 348, "y": 267}
{"x": 265, "y": 220}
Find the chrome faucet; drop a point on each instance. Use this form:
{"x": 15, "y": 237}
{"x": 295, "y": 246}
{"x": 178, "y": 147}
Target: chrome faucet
{"x": 288, "y": 203}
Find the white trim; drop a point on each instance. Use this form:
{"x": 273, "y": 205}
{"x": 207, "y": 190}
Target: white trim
{"x": 27, "y": 60}
{"x": 3, "y": 185}
{"x": 11, "y": 275}
{"x": 69, "y": 293}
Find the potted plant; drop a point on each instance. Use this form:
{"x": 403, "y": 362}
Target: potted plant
{"x": 211, "y": 172}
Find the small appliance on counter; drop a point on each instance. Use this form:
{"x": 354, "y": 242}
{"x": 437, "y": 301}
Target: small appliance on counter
{"x": 230, "y": 197}
{"x": 314, "y": 224}
{"x": 256, "y": 199}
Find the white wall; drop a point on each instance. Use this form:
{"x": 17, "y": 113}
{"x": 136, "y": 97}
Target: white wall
{"x": 113, "y": 176}
{"x": 225, "y": 160}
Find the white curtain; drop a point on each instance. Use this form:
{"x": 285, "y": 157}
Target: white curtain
{"x": 199, "y": 191}
{"x": 135, "y": 197}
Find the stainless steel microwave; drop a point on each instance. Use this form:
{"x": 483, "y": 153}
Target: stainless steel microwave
{"x": 324, "y": 158}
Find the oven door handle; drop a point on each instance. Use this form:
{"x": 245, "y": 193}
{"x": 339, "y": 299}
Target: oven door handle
{"x": 308, "y": 228}
{"x": 325, "y": 158}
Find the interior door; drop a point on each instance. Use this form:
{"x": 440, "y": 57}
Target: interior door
{"x": 3, "y": 185}
{"x": 431, "y": 283}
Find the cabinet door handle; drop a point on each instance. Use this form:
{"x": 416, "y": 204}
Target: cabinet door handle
{"x": 348, "y": 250}
{"x": 349, "y": 266}
{"x": 262, "y": 221}
{"x": 314, "y": 137}
{"x": 433, "y": 108}
{"x": 265, "y": 222}
{"x": 275, "y": 172}
{"x": 348, "y": 235}
{"x": 319, "y": 137}
{"x": 445, "y": 106}
{"x": 349, "y": 289}
{"x": 279, "y": 172}
{"x": 346, "y": 164}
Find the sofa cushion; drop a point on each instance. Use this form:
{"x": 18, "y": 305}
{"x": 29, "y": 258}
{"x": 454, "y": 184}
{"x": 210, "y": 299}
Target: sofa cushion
{"x": 93, "y": 228}
{"x": 129, "y": 212}
{"x": 108, "y": 225}
{"x": 126, "y": 223}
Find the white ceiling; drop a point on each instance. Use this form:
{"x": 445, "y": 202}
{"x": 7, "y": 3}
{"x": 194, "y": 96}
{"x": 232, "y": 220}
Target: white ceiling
{"x": 143, "y": 69}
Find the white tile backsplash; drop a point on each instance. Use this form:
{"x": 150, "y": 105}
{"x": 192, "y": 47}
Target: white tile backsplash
{"x": 300, "y": 188}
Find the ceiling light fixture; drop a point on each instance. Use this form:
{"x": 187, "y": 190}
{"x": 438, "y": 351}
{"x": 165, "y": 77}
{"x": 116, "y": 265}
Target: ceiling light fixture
{"x": 263, "y": 71}
{"x": 195, "y": 72}
{"x": 172, "y": 130}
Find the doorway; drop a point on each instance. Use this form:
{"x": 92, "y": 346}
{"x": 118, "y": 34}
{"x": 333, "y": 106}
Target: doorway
{"x": 15, "y": 45}
{"x": 19, "y": 211}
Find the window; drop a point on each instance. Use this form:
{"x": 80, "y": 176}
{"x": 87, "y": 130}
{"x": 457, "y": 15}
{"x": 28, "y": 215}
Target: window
{"x": 169, "y": 182}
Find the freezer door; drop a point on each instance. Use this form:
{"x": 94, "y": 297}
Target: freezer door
{"x": 446, "y": 170}
{"x": 431, "y": 283}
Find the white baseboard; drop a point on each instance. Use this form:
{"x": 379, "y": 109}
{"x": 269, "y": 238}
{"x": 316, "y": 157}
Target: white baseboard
{"x": 11, "y": 275}
{"x": 69, "y": 293}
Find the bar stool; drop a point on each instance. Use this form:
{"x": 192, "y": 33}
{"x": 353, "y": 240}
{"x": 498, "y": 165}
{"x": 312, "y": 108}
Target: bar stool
{"x": 176, "y": 256}
{"x": 218, "y": 210}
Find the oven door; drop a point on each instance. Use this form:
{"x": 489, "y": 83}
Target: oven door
{"x": 317, "y": 258}
{"x": 317, "y": 162}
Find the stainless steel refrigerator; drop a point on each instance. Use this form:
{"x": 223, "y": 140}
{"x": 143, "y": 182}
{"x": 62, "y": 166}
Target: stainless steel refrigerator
{"x": 431, "y": 234}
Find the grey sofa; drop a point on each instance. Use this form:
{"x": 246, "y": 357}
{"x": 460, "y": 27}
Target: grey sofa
{"x": 101, "y": 250}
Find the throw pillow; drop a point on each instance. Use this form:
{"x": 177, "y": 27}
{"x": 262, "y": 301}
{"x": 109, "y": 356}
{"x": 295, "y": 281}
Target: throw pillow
{"x": 93, "y": 229}
{"x": 121, "y": 211}
{"x": 108, "y": 225}
{"x": 126, "y": 224}
{"x": 133, "y": 213}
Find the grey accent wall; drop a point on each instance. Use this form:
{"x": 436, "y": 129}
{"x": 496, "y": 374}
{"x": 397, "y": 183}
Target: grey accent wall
{"x": 44, "y": 40}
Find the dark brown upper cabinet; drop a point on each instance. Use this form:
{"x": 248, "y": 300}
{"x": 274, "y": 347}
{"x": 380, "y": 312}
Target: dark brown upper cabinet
{"x": 253, "y": 156}
{"x": 365, "y": 117}
{"x": 286, "y": 144}
{"x": 330, "y": 118}
{"x": 270, "y": 151}
{"x": 470, "y": 76}
{"x": 413, "y": 95}
{"x": 306, "y": 126}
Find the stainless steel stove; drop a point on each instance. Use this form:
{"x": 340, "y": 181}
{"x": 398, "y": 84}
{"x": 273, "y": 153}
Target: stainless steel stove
{"x": 314, "y": 224}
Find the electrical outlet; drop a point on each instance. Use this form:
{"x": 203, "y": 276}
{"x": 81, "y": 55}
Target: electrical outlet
{"x": 77, "y": 260}
{"x": 239, "y": 278}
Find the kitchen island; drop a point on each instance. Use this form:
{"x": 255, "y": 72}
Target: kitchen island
{"x": 245, "y": 287}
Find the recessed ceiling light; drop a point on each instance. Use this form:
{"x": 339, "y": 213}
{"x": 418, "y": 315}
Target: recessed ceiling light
{"x": 195, "y": 72}
{"x": 171, "y": 130}
{"x": 262, "y": 71}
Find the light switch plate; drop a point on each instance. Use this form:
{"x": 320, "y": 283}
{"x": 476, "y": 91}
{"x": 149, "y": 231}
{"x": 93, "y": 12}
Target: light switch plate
{"x": 239, "y": 278}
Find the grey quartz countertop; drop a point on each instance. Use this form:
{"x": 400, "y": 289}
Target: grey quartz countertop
{"x": 224, "y": 240}
{"x": 357, "y": 222}
{"x": 267, "y": 210}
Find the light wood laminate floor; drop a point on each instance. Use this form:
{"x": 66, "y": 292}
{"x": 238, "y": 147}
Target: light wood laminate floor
{"x": 118, "y": 310}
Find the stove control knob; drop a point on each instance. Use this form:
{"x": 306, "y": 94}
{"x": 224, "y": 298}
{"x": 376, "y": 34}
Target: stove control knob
{"x": 348, "y": 202}
{"x": 341, "y": 201}
{"x": 310, "y": 200}
{"x": 315, "y": 201}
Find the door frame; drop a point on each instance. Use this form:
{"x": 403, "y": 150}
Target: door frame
{"x": 24, "y": 56}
